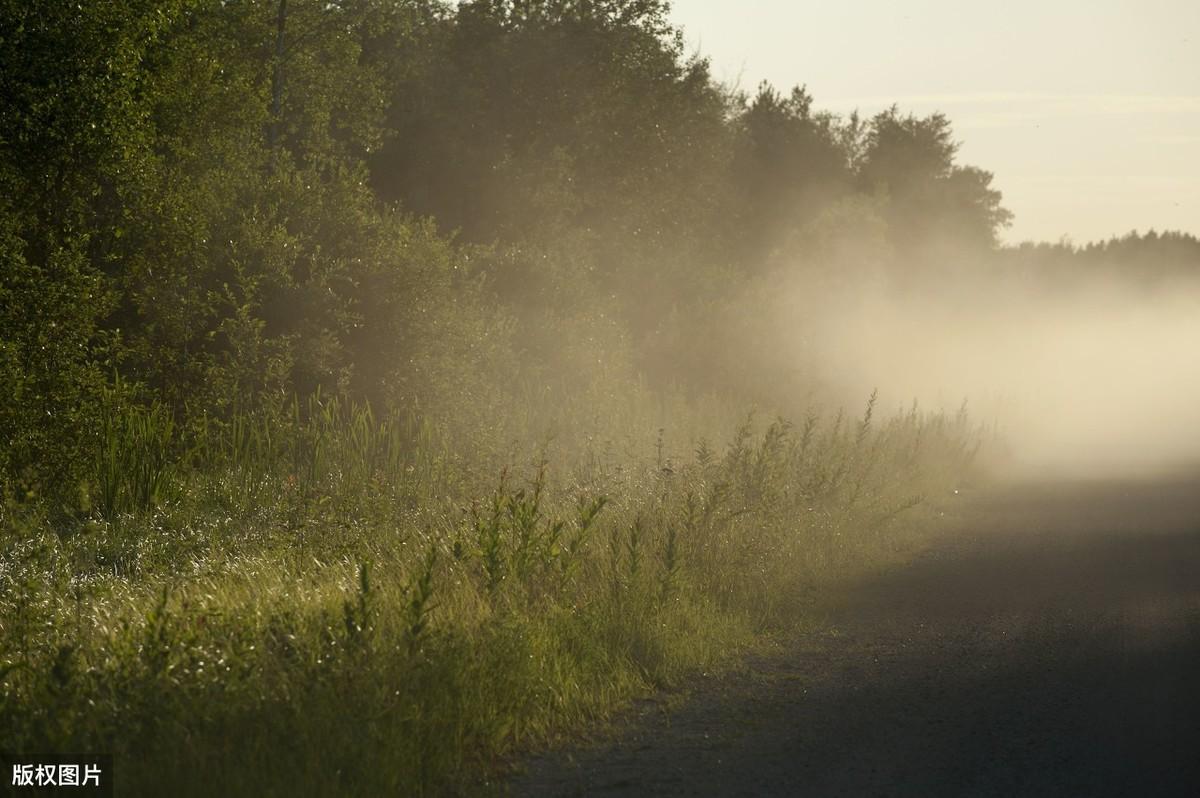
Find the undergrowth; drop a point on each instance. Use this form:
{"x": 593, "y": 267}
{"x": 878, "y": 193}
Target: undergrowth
{"x": 326, "y": 601}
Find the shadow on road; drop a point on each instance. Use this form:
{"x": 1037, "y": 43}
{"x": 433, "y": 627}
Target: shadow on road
{"x": 1050, "y": 647}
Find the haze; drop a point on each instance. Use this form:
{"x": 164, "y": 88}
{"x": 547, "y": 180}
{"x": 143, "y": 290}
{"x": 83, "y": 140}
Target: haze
{"x": 1088, "y": 113}
{"x": 391, "y": 388}
{"x": 1098, "y": 382}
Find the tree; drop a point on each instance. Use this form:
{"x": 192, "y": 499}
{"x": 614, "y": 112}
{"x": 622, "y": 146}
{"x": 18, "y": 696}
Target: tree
{"x": 790, "y": 163}
{"x": 932, "y": 200}
{"x": 72, "y": 141}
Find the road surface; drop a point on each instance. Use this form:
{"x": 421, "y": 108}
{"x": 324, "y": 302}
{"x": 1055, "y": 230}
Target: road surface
{"x": 1049, "y": 647}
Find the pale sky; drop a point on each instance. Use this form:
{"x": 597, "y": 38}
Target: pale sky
{"x": 1086, "y": 111}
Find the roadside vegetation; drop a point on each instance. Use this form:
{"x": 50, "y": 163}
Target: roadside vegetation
{"x": 330, "y": 603}
{"x": 389, "y": 384}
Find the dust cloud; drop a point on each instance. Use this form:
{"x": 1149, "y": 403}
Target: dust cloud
{"x": 1098, "y": 377}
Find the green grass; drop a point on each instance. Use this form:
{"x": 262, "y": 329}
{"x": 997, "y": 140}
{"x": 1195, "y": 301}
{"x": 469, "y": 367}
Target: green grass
{"x": 321, "y": 600}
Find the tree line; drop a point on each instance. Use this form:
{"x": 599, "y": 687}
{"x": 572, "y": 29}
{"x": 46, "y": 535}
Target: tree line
{"x": 221, "y": 204}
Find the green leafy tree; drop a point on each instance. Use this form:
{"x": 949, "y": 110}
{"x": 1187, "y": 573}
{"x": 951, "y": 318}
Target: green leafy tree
{"x": 791, "y": 162}
{"x": 932, "y": 200}
{"x": 72, "y": 142}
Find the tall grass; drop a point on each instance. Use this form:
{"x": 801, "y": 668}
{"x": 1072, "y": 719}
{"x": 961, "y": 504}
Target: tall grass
{"x": 322, "y": 599}
{"x": 134, "y": 468}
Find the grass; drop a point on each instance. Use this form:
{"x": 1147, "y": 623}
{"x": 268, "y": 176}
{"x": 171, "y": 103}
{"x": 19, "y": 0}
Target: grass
{"x": 320, "y": 599}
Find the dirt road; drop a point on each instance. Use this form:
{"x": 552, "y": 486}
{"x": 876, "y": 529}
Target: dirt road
{"x": 1051, "y": 647}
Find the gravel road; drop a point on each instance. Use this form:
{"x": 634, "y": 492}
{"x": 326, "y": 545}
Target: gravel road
{"x": 1048, "y": 647}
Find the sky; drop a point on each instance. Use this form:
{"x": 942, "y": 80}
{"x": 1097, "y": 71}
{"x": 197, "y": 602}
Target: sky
{"x": 1087, "y": 113}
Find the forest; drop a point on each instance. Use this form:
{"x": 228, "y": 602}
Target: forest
{"x": 391, "y": 386}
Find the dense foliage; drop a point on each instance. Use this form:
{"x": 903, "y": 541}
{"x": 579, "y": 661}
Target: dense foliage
{"x": 228, "y": 203}
{"x": 285, "y": 283}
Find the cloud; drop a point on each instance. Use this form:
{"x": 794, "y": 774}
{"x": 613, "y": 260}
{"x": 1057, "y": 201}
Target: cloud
{"x": 1021, "y": 107}
{"x": 1182, "y": 138}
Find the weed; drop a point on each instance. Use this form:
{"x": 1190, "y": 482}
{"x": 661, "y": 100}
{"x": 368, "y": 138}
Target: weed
{"x": 205, "y": 600}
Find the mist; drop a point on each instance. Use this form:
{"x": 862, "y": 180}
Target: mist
{"x": 1097, "y": 378}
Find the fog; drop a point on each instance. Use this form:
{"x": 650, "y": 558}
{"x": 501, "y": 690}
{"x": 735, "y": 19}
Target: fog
{"x": 1099, "y": 377}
